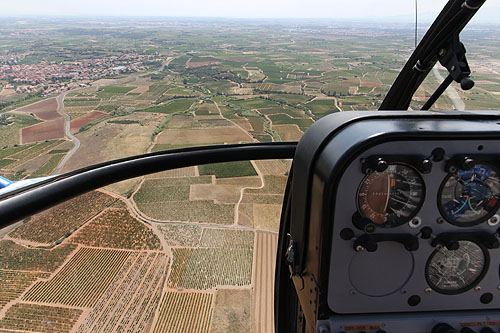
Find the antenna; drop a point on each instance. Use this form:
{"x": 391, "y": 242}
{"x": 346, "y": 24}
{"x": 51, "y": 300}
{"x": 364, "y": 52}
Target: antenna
{"x": 416, "y": 23}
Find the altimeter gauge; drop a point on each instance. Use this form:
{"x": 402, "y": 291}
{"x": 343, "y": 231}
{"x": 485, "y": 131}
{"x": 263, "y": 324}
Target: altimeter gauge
{"x": 469, "y": 197}
{"x": 456, "y": 271}
{"x": 391, "y": 197}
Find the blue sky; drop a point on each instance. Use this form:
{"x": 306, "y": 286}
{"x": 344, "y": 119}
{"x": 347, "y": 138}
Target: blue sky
{"x": 230, "y": 8}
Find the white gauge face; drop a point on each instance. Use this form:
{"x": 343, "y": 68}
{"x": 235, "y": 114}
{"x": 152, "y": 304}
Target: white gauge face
{"x": 392, "y": 197}
{"x": 456, "y": 271}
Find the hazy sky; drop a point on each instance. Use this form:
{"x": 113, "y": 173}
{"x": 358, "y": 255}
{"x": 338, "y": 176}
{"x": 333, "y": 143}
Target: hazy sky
{"x": 226, "y": 8}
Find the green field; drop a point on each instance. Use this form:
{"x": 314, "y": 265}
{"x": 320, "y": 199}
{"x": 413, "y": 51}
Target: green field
{"x": 228, "y": 170}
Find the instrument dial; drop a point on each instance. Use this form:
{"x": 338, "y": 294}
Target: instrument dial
{"x": 469, "y": 197}
{"x": 456, "y": 271}
{"x": 392, "y": 197}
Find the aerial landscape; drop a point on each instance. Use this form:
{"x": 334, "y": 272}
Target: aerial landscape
{"x": 191, "y": 249}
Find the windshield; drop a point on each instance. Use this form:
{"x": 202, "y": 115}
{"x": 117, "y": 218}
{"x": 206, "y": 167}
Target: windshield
{"x": 191, "y": 249}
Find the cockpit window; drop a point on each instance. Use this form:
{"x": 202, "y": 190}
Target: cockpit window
{"x": 191, "y": 249}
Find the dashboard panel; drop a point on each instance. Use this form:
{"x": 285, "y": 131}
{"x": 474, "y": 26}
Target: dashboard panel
{"x": 394, "y": 223}
{"x": 421, "y": 232}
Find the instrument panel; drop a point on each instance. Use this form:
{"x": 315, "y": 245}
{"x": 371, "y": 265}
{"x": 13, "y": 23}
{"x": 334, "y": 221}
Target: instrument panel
{"x": 417, "y": 232}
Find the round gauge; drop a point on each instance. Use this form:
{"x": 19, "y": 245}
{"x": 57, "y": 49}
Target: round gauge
{"x": 469, "y": 197}
{"x": 456, "y": 271}
{"x": 392, "y": 197}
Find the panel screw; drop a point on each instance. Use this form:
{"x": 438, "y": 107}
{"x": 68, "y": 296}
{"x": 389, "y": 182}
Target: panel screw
{"x": 440, "y": 220}
{"x": 415, "y": 222}
{"x": 360, "y": 248}
{"x": 353, "y": 292}
{"x": 478, "y": 288}
{"x": 428, "y": 290}
{"x": 493, "y": 221}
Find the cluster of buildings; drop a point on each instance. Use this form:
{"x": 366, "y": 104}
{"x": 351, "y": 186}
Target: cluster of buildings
{"x": 55, "y": 77}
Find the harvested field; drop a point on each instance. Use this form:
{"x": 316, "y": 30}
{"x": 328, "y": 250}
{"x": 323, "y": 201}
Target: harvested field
{"x": 257, "y": 123}
{"x": 182, "y": 121}
{"x": 272, "y": 167}
{"x": 244, "y": 123}
{"x": 203, "y": 136}
{"x": 273, "y": 185}
{"x": 232, "y": 310}
{"x": 48, "y": 130}
{"x": 262, "y": 198}
{"x": 106, "y": 141}
{"x": 116, "y": 228}
{"x": 79, "y": 122}
{"x": 183, "y": 312}
{"x": 263, "y": 277}
{"x": 241, "y": 181}
{"x": 39, "y": 318}
{"x": 45, "y": 110}
{"x": 175, "y": 173}
{"x": 217, "y": 193}
{"x": 82, "y": 280}
{"x": 266, "y": 216}
{"x": 245, "y": 216}
{"x": 55, "y": 223}
{"x": 288, "y": 132}
{"x": 208, "y": 123}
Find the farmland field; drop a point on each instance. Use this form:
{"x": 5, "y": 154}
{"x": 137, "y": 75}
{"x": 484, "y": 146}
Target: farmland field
{"x": 55, "y": 223}
{"x": 184, "y": 312}
{"x": 18, "y": 257}
{"x": 116, "y": 228}
{"x": 265, "y": 257}
{"x": 82, "y": 281}
{"x": 14, "y": 283}
{"x": 39, "y": 318}
{"x": 228, "y": 170}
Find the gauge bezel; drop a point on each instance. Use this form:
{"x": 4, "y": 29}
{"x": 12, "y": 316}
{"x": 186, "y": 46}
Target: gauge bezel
{"x": 471, "y": 223}
{"x": 421, "y": 202}
{"x": 466, "y": 288}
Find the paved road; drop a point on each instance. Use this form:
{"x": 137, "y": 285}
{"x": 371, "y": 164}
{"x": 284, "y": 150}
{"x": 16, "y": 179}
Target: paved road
{"x": 67, "y": 129}
{"x": 451, "y": 91}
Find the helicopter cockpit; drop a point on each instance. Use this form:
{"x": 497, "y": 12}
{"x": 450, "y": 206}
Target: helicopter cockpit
{"x": 390, "y": 220}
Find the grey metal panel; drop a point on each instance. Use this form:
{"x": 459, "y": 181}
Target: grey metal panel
{"x": 344, "y": 297}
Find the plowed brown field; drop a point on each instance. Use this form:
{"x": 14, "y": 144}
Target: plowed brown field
{"x": 204, "y": 136}
{"x": 45, "y": 110}
{"x": 288, "y": 132}
{"x": 79, "y": 122}
{"x": 48, "y": 130}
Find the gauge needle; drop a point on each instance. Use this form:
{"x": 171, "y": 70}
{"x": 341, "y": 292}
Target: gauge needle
{"x": 389, "y": 187}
